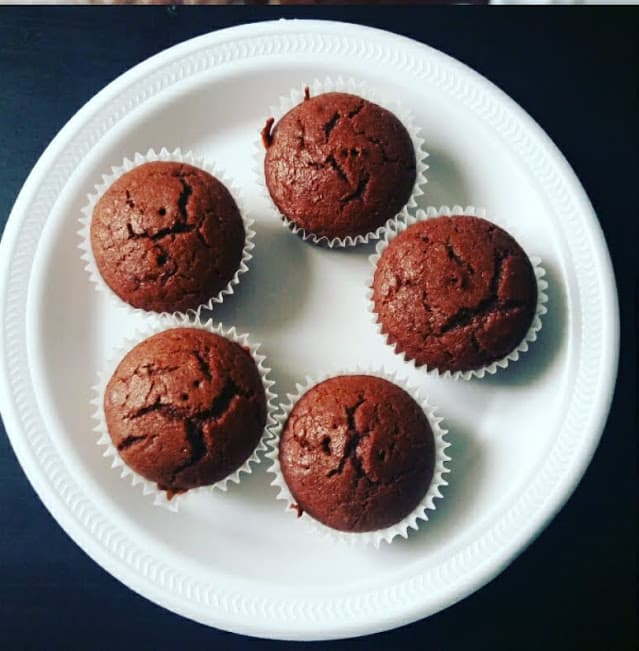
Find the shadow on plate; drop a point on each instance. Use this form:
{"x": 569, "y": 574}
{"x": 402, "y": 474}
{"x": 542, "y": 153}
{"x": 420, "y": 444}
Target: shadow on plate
{"x": 276, "y": 287}
{"x": 534, "y": 363}
{"x": 467, "y": 466}
{"x": 256, "y": 489}
{"x": 446, "y": 183}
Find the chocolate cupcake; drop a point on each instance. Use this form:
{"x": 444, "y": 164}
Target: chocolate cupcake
{"x": 357, "y": 454}
{"x": 167, "y": 236}
{"x": 454, "y": 293}
{"x": 185, "y": 408}
{"x": 339, "y": 167}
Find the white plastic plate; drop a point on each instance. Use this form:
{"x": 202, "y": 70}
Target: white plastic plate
{"x": 521, "y": 440}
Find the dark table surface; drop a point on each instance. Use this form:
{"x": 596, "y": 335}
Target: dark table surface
{"x": 575, "y": 70}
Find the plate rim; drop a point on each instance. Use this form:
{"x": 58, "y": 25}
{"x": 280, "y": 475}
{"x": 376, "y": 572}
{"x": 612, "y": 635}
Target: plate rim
{"x": 297, "y": 29}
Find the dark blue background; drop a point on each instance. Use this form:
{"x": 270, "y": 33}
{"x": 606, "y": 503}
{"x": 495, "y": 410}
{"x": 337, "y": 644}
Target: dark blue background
{"x": 575, "y": 71}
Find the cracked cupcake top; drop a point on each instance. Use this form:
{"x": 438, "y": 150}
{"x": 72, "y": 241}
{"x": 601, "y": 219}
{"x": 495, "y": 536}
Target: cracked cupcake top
{"x": 454, "y": 293}
{"x": 357, "y": 453}
{"x": 167, "y": 236}
{"x": 338, "y": 165}
{"x": 185, "y": 408}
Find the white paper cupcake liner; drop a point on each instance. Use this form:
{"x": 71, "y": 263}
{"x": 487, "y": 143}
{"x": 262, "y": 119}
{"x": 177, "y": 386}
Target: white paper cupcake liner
{"x": 362, "y": 89}
{"x": 152, "y": 327}
{"x": 401, "y": 528}
{"x": 540, "y": 309}
{"x": 126, "y": 166}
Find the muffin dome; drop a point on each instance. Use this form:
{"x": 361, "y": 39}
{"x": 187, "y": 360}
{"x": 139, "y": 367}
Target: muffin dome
{"x": 454, "y": 293}
{"x": 338, "y": 165}
{"x": 357, "y": 453}
{"x": 185, "y": 408}
{"x": 167, "y": 236}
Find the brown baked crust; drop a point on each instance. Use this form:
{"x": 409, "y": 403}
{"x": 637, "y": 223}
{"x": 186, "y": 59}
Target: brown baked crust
{"x": 185, "y": 408}
{"x": 454, "y": 293}
{"x": 339, "y": 165}
{"x": 357, "y": 453}
{"x": 167, "y": 236}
